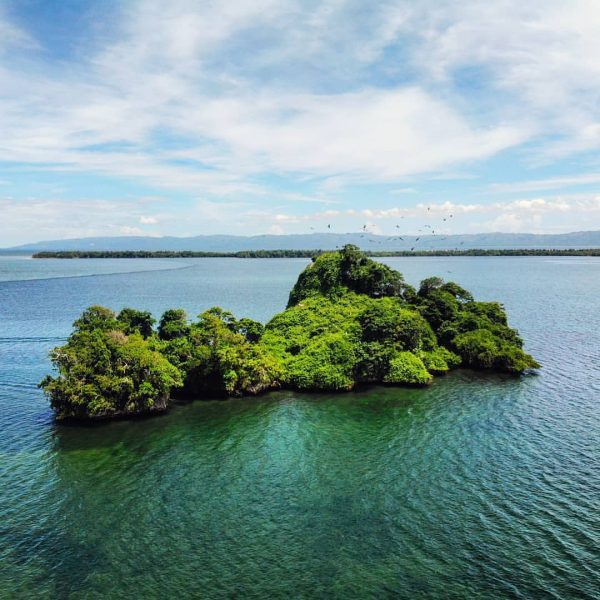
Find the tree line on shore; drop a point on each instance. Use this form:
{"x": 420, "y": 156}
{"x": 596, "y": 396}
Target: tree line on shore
{"x": 311, "y": 253}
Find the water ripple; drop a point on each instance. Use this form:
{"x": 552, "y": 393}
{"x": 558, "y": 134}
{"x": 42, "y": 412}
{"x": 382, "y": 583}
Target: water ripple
{"x": 478, "y": 487}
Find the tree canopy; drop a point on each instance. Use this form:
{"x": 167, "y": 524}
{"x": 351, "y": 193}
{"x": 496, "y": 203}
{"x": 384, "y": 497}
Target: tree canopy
{"x": 349, "y": 321}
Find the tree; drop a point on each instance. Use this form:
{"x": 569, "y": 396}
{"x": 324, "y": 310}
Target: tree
{"x": 429, "y": 285}
{"x": 333, "y": 274}
{"x": 173, "y": 324}
{"x": 132, "y": 320}
{"x": 387, "y": 322}
{"x": 457, "y": 291}
{"x": 106, "y": 374}
{"x": 440, "y": 307}
{"x": 96, "y": 317}
{"x": 222, "y": 361}
{"x": 251, "y": 330}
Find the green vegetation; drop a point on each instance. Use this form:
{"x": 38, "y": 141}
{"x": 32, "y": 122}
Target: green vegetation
{"x": 312, "y": 253}
{"x": 349, "y": 321}
{"x": 104, "y": 371}
{"x": 407, "y": 368}
{"x": 217, "y": 358}
{"x": 336, "y": 273}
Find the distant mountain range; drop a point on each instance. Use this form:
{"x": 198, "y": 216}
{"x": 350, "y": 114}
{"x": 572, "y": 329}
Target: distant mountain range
{"x": 322, "y": 241}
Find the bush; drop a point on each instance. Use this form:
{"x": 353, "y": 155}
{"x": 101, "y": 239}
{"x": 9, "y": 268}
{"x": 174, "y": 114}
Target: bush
{"x": 440, "y": 360}
{"x": 406, "y": 368}
{"x": 373, "y": 361}
{"x": 481, "y": 349}
{"x": 385, "y": 321}
{"x": 477, "y": 348}
{"x": 513, "y": 360}
{"x": 326, "y": 363}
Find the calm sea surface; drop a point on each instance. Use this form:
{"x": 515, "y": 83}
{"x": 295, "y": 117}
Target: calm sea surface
{"x": 476, "y": 487}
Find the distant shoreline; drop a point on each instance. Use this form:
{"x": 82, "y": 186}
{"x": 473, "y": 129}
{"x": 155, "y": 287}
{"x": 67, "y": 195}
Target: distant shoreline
{"x": 73, "y": 254}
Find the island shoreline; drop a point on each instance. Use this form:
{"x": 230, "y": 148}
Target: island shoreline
{"x": 509, "y": 252}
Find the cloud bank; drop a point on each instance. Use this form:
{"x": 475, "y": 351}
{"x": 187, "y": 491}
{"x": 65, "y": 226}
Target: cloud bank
{"x": 262, "y": 104}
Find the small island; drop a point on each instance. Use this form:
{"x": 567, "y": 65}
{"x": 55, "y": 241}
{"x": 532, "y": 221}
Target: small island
{"x": 349, "y": 321}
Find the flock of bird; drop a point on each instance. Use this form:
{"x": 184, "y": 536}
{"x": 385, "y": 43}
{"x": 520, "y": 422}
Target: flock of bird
{"x": 426, "y": 229}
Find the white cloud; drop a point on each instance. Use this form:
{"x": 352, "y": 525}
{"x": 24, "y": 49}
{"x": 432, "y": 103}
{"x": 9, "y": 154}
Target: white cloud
{"x": 61, "y": 219}
{"x": 560, "y": 213}
{"x": 378, "y": 134}
{"x": 128, "y": 230}
{"x": 406, "y": 190}
{"x": 508, "y": 223}
{"x": 43, "y": 219}
{"x": 541, "y": 53}
{"x": 226, "y": 100}
{"x": 374, "y": 134}
{"x": 12, "y": 36}
{"x": 547, "y": 184}
{"x": 156, "y": 76}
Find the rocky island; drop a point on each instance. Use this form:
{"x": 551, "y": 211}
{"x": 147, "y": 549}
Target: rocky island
{"x": 349, "y": 321}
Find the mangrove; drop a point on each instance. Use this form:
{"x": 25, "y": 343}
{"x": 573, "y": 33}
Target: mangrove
{"x": 72, "y": 254}
{"x": 349, "y": 321}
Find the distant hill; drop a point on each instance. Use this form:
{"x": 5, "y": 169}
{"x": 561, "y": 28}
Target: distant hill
{"x": 324, "y": 241}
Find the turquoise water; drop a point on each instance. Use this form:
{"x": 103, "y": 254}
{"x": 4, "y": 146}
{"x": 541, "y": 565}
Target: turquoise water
{"x": 476, "y": 487}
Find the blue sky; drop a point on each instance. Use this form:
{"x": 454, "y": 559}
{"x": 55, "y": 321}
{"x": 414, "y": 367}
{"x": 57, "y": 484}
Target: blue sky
{"x": 264, "y": 116}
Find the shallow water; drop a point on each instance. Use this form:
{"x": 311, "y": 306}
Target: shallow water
{"x": 478, "y": 486}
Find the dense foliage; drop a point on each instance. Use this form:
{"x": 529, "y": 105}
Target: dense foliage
{"x": 349, "y": 321}
{"x": 334, "y": 274}
{"x": 108, "y": 369}
{"x": 220, "y": 356}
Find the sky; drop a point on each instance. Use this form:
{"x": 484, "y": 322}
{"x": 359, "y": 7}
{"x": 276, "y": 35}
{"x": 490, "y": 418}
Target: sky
{"x": 262, "y": 116}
